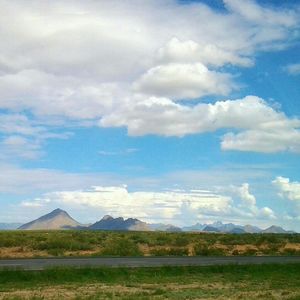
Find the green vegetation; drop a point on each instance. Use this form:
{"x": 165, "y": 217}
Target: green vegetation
{"x": 214, "y": 282}
{"x": 98, "y": 243}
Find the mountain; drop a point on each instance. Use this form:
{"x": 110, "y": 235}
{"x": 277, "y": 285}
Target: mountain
{"x": 165, "y": 227}
{"x": 196, "y": 227}
{"x": 252, "y": 229}
{"x": 9, "y": 226}
{"x": 274, "y": 229}
{"x": 221, "y": 227}
{"x": 60, "y": 219}
{"x": 210, "y": 228}
{"x": 110, "y": 223}
{"x": 57, "y": 219}
{"x": 229, "y": 227}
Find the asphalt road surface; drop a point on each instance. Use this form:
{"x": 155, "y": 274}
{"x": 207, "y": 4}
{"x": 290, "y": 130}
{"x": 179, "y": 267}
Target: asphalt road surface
{"x": 42, "y": 263}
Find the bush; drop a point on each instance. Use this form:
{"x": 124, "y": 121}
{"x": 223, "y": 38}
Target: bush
{"x": 121, "y": 247}
{"x": 181, "y": 241}
{"x": 200, "y": 249}
{"x": 204, "y": 250}
{"x": 250, "y": 251}
{"x": 291, "y": 251}
{"x": 169, "y": 252}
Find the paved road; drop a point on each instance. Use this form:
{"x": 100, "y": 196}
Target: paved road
{"x": 39, "y": 264}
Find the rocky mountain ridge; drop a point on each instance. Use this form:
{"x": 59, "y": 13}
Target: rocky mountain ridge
{"x": 60, "y": 219}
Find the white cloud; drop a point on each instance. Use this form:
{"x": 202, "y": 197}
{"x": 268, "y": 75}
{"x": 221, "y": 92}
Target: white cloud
{"x": 247, "y": 198}
{"x": 246, "y": 202}
{"x": 16, "y": 180}
{"x": 16, "y": 146}
{"x": 256, "y": 14}
{"x": 293, "y": 69}
{"x": 89, "y": 61}
{"x": 260, "y": 127}
{"x": 154, "y": 206}
{"x": 184, "y": 81}
{"x": 178, "y": 206}
{"x": 269, "y": 141}
{"x": 23, "y": 138}
{"x": 77, "y": 59}
{"x": 120, "y": 152}
{"x": 189, "y": 51}
{"x": 287, "y": 189}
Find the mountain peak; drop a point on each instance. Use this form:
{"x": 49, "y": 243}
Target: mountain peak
{"x": 107, "y": 217}
{"x": 58, "y": 211}
{"x": 110, "y": 223}
{"x": 57, "y": 219}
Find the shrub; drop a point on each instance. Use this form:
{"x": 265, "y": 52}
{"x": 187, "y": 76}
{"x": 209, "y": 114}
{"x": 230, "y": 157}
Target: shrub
{"x": 200, "y": 249}
{"x": 180, "y": 240}
{"x": 204, "y": 250}
{"x": 121, "y": 247}
{"x": 250, "y": 251}
{"x": 169, "y": 252}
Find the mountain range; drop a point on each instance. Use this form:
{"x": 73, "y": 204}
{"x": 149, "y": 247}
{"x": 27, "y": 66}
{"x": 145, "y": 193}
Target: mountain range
{"x": 9, "y": 226}
{"x": 60, "y": 219}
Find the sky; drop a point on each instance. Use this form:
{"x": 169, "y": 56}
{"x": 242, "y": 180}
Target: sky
{"x": 168, "y": 111}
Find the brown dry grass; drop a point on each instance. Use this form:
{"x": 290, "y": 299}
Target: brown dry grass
{"x": 24, "y": 252}
{"x": 149, "y": 291}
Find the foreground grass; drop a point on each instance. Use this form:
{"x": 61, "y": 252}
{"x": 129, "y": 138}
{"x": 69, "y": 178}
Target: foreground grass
{"x": 214, "y": 282}
{"x": 20, "y": 244}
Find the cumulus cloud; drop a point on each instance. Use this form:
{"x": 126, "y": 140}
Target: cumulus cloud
{"x": 189, "y": 51}
{"x": 287, "y": 189}
{"x": 184, "y": 81}
{"x": 118, "y": 201}
{"x": 247, "y": 198}
{"x": 126, "y": 64}
{"x": 165, "y": 206}
{"x": 260, "y": 127}
{"x": 266, "y": 141}
{"x": 246, "y": 202}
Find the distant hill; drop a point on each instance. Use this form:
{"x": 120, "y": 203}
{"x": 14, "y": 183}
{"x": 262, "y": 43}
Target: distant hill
{"x": 110, "y": 223}
{"x": 57, "y": 219}
{"x": 210, "y": 228}
{"x": 60, "y": 219}
{"x": 251, "y": 229}
{"x": 275, "y": 229}
{"x": 196, "y": 227}
{"x": 221, "y": 227}
{"x": 9, "y": 226}
{"x": 165, "y": 227}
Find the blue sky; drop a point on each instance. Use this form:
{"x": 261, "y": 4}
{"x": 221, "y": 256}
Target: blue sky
{"x": 171, "y": 111}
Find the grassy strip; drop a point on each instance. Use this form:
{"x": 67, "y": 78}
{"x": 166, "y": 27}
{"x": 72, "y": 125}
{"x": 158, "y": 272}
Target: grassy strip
{"x": 233, "y": 282}
{"x": 277, "y": 275}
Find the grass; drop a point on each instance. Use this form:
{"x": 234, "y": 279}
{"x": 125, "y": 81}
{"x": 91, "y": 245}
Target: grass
{"x": 214, "y": 282}
{"x": 100, "y": 243}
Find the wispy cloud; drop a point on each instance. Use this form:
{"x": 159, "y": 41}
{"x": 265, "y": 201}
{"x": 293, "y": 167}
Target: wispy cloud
{"x": 293, "y": 69}
{"x": 120, "y": 152}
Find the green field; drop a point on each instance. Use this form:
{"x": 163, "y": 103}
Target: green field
{"x": 19, "y": 244}
{"x": 217, "y": 282}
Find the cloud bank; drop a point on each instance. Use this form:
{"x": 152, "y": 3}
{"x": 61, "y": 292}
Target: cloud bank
{"x": 130, "y": 64}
